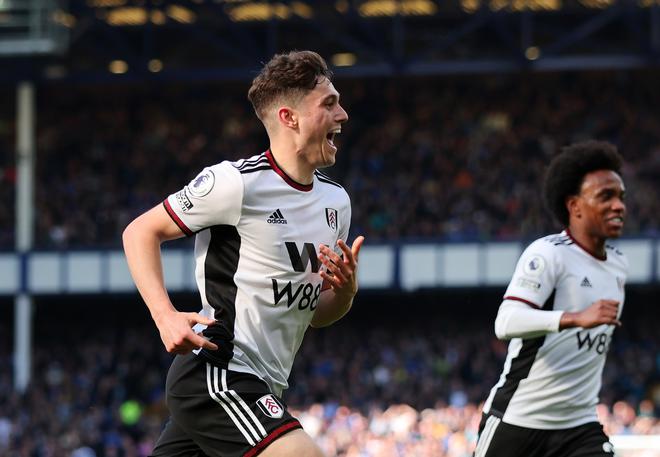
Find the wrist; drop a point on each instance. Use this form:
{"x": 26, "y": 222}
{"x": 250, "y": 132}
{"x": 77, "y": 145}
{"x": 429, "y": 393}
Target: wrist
{"x": 161, "y": 314}
{"x": 345, "y": 297}
{"x": 568, "y": 320}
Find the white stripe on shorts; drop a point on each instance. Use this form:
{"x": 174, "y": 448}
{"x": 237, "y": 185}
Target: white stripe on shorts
{"x": 224, "y": 395}
{"x": 486, "y": 436}
{"x": 226, "y": 408}
{"x": 238, "y": 398}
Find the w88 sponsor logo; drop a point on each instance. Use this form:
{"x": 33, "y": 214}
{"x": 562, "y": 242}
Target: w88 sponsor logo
{"x": 599, "y": 342}
{"x": 306, "y": 295}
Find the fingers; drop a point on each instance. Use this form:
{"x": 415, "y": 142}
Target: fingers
{"x": 611, "y": 310}
{"x": 202, "y": 343}
{"x": 333, "y": 264}
{"x": 351, "y": 254}
{"x": 357, "y": 245}
{"x": 191, "y": 342}
{"x": 348, "y": 254}
{"x": 196, "y": 318}
{"x": 608, "y": 312}
{"x": 326, "y": 252}
{"x": 178, "y": 336}
{"x": 332, "y": 281}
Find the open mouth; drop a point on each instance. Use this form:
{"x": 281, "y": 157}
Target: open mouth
{"x": 330, "y": 137}
{"x": 616, "y": 221}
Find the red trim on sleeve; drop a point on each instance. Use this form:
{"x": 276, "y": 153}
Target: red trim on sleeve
{"x": 261, "y": 445}
{"x": 176, "y": 219}
{"x": 527, "y": 302}
{"x": 285, "y": 177}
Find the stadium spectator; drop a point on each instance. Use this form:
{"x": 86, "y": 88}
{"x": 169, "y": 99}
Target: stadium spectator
{"x": 75, "y": 397}
{"x": 459, "y": 159}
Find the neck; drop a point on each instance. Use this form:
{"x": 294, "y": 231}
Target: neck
{"x": 594, "y": 245}
{"x": 293, "y": 162}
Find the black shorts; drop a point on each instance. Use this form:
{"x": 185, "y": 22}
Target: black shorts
{"x": 499, "y": 439}
{"x": 219, "y": 413}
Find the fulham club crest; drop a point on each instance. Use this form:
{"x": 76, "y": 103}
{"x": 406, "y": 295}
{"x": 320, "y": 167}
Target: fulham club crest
{"x": 331, "y": 218}
{"x": 270, "y": 406}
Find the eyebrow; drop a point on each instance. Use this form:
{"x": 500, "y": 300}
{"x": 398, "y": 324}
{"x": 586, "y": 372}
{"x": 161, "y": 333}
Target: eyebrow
{"x": 612, "y": 190}
{"x": 331, "y": 97}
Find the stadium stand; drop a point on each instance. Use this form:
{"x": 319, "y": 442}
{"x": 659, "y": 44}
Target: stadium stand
{"x": 436, "y": 158}
{"x": 459, "y": 159}
{"x": 381, "y": 383}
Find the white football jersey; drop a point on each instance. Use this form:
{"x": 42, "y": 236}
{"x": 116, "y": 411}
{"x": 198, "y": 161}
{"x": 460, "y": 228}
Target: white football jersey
{"x": 257, "y": 238}
{"x": 553, "y": 381}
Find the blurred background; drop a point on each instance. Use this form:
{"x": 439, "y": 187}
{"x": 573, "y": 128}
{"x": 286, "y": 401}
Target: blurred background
{"x": 456, "y": 107}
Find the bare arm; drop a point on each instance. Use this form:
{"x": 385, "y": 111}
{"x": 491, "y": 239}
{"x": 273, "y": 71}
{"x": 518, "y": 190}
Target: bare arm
{"x": 341, "y": 276}
{"x": 142, "y": 239}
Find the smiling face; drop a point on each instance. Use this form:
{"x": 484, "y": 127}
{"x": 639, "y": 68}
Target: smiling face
{"x": 320, "y": 117}
{"x": 598, "y": 210}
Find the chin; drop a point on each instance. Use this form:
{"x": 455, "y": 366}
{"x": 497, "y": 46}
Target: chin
{"x": 327, "y": 160}
{"x": 615, "y": 233}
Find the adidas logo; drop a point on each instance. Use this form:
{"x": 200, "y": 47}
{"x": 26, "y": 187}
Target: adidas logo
{"x": 586, "y": 282}
{"x": 276, "y": 218}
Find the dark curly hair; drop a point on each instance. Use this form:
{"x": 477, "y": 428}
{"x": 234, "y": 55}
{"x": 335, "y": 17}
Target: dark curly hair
{"x": 568, "y": 169}
{"x": 291, "y": 76}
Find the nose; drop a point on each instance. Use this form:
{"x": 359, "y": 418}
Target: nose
{"x": 618, "y": 205}
{"x": 342, "y": 115}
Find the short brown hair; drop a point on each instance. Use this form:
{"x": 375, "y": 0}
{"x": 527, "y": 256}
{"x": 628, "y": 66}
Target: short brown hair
{"x": 291, "y": 76}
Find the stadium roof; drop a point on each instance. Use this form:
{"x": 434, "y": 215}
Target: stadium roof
{"x": 101, "y": 40}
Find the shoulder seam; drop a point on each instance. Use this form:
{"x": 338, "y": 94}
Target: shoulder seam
{"x": 323, "y": 178}
{"x": 614, "y": 248}
{"x": 559, "y": 240}
{"x": 250, "y": 163}
{"x": 252, "y": 170}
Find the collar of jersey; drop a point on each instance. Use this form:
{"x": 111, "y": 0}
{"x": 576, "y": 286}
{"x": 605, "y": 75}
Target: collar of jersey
{"x": 577, "y": 243}
{"x": 295, "y": 184}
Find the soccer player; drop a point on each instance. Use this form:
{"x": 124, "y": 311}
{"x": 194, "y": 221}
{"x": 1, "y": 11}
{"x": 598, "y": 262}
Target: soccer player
{"x": 271, "y": 259}
{"x": 560, "y": 311}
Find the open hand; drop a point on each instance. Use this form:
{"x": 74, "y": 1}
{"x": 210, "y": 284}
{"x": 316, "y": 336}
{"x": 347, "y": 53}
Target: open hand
{"x": 341, "y": 272}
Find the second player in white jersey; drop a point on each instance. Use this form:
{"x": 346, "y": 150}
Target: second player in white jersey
{"x": 551, "y": 381}
{"x": 560, "y": 311}
{"x": 258, "y": 235}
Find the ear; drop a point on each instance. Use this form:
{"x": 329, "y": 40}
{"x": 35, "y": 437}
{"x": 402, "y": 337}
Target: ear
{"x": 573, "y": 206}
{"x": 287, "y": 117}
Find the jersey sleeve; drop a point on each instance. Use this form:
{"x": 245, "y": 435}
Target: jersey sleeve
{"x": 213, "y": 197}
{"x": 535, "y": 276}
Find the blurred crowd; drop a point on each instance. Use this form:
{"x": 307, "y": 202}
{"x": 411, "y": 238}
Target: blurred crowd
{"x": 444, "y": 157}
{"x": 383, "y": 389}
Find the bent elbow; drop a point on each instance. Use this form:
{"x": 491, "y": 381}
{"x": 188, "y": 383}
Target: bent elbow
{"x": 501, "y": 330}
{"x": 128, "y": 233}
